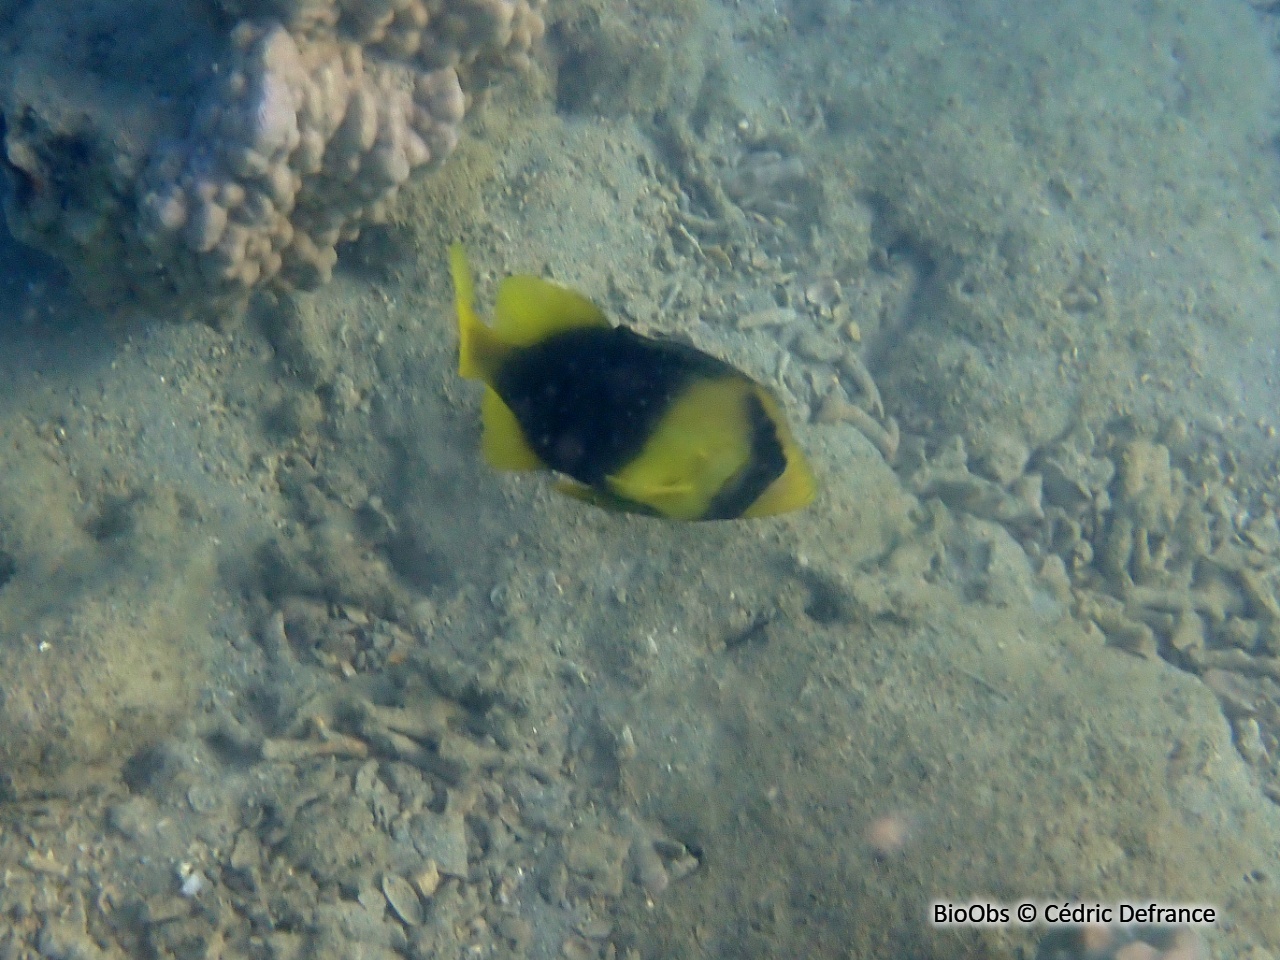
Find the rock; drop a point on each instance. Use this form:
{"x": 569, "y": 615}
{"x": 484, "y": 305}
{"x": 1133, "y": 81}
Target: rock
{"x": 441, "y": 838}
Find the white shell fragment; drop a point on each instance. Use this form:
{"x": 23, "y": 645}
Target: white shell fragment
{"x": 402, "y": 899}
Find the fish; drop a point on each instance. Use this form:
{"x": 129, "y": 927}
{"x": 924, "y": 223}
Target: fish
{"x": 635, "y": 424}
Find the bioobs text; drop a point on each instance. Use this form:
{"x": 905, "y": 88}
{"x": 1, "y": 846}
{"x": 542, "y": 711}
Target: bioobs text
{"x": 970, "y": 914}
{"x": 1071, "y": 913}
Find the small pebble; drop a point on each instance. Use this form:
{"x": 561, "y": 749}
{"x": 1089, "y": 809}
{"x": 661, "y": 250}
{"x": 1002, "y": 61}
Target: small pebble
{"x": 576, "y": 948}
{"x": 427, "y": 880}
{"x": 202, "y": 798}
{"x": 888, "y": 836}
{"x": 1187, "y": 945}
{"x": 1138, "y": 950}
{"x": 769, "y": 317}
{"x": 193, "y": 884}
{"x": 1096, "y": 938}
{"x": 815, "y": 347}
{"x": 649, "y": 871}
{"x": 1249, "y": 741}
{"x": 517, "y": 930}
{"x": 594, "y": 928}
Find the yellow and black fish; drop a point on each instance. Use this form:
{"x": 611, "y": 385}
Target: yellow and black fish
{"x": 642, "y": 425}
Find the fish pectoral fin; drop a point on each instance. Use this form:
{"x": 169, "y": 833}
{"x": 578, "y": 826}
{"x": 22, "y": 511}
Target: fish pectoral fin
{"x": 649, "y": 491}
{"x": 504, "y": 443}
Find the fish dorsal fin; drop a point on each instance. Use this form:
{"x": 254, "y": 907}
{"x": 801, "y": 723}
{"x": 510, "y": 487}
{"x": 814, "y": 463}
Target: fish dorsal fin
{"x": 504, "y": 443}
{"x": 529, "y": 309}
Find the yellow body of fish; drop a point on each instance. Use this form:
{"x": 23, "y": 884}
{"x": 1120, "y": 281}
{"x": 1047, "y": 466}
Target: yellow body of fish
{"x": 640, "y": 424}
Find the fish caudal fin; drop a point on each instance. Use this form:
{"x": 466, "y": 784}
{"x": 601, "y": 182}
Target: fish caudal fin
{"x": 479, "y": 349}
{"x": 797, "y": 487}
{"x": 794, "y": 490}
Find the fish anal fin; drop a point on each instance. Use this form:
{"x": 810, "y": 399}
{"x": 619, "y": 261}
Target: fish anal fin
{"x": 504, "y": 443}
{"x": 579, "y": 491}
{"x": 530, "y": 309}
